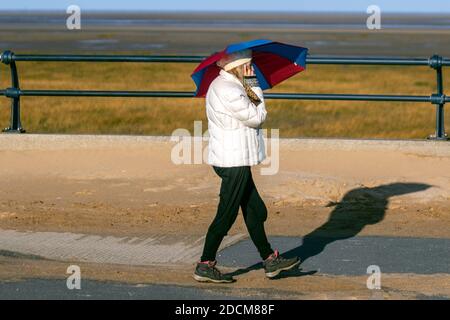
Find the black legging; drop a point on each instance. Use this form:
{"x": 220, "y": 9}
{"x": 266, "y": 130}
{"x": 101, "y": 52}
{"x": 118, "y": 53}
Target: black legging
{"x": 237, "y": 189}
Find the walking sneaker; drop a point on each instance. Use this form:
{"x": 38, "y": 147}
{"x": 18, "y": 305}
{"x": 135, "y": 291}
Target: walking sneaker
{"x": 207, "y": 272}
{"x": 274, "y": 264}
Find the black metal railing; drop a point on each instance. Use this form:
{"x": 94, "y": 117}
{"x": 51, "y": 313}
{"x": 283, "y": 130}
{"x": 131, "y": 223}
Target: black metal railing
{"x": 14, "y": 92}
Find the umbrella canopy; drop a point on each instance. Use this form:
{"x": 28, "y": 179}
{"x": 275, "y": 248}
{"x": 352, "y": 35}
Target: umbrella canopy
{"x": 272, "y": 61}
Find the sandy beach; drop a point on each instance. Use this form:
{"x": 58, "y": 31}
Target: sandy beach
{"x": 129, "y": 185}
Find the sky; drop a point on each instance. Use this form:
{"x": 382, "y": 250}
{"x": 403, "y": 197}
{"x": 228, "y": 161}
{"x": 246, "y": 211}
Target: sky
{"x": 233, "y": 5}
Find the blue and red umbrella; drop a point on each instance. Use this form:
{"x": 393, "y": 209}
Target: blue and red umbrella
{"x": 272, "y": 61}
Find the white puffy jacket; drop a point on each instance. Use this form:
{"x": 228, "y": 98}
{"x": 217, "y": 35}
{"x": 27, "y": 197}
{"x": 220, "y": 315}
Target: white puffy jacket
{"x": 234, "y": 123}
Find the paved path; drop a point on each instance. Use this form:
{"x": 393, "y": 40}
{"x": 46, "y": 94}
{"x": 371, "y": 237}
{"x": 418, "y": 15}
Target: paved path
{"x": 333, "y": 256}
{"x": 155, "y": 250}
{"x": 320, "y": 255}
{"x": 351, "y": 256}
{"x": 91, "y": 289}
{"x": 56, "y": 289}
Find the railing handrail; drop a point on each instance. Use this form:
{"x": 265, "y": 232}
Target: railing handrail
{"x": 8, "y": 56}
{"x": 436, "y": 62}
{"x": 185, "y": 94}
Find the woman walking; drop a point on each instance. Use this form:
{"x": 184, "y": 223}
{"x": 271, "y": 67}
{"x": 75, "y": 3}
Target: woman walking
{"x": 236, "y": 110}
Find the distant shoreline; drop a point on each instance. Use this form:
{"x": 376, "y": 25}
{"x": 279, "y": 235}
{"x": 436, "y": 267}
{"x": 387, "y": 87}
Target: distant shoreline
{"x": 200, "y": 33}
{"x": 220, "y": 20}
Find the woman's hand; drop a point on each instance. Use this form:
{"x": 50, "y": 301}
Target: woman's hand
{"x": 248, "y": 70}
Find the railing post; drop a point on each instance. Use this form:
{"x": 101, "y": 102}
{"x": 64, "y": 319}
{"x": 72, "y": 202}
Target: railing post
{"x": 14, "y": 94}
{"x": 438, "y": 99}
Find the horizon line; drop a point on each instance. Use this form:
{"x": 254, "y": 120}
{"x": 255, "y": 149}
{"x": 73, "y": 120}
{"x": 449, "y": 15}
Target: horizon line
{"x": 225, "y": 11}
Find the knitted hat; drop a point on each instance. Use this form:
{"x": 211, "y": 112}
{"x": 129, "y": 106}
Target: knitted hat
{"x": 235, "y": 59}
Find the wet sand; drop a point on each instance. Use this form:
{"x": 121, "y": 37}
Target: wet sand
{"x": 204, "y": 33}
